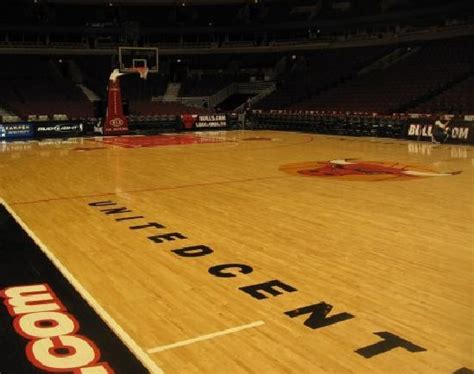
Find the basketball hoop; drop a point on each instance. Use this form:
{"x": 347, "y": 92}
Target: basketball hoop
{"x": 141, "y": 60}
{"x": 143, "y": 71}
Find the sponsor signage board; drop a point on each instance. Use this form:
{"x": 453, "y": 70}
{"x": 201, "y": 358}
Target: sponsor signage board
{"x": 459, "y": 132}
{"x": 16, "y": 130}
{"x": 211, "y": 121}
{"x": 59, "y": 129}
{"x": 116, "y": 125}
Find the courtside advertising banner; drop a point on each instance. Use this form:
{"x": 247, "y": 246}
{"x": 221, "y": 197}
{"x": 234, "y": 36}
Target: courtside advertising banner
{"x": 211, "y": 121}
{"x": 16, "y": 130}
{"x": 458, "y": 131}
{"x": 59, "y": 129}
{"x": 207, "y": 121}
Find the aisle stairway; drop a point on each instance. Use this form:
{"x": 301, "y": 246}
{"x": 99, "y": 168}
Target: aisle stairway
{"x": 6, "y": 116}
{"x": 172, "y": 92}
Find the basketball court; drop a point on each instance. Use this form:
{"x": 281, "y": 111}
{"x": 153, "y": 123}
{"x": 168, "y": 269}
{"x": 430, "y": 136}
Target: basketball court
{"x": 258, "y": 251}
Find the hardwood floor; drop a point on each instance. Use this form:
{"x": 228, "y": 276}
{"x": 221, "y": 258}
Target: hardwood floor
{"x": 263, "y": 252}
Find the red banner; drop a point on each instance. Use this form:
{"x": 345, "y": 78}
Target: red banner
{"x": 115, "y": 121}
{"x": 189, "y": 120}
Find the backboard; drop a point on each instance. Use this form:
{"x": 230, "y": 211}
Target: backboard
{"x": 132, "y": 58}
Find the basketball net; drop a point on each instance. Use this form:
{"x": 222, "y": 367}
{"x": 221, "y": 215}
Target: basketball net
{"x": 142, "y": 71}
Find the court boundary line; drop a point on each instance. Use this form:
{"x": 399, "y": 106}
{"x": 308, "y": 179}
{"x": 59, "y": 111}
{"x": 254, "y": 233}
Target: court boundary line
{"x": 201, "y": 338}
{"x": 134, "y": 348}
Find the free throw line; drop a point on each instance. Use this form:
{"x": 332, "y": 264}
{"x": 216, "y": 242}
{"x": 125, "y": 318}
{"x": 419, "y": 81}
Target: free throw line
{"x": 205, "y": 337}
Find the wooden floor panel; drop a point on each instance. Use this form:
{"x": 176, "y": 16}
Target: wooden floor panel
{"x": 396, "y": 256}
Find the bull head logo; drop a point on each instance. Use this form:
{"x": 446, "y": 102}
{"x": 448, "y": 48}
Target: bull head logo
{"x": 350, "y": 169}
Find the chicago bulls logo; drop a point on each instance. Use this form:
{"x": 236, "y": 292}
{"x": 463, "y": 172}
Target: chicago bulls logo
{"x": 351, "y": 169}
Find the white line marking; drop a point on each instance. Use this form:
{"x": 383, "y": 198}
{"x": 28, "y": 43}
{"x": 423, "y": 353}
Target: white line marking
{"x": 126, "y": 339}
{"x": 205, "y": 337}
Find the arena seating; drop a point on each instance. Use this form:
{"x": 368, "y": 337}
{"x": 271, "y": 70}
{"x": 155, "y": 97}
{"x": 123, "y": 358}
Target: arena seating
{"x": 34, "y": 85}
{"x": 311, "y": 73}
{"x": 30, "y": 86}
{"x": 336, "y": 124}
{"x": 456, "y": 100}
{"x": 258, "y": 61}
{"x": 435, "y": 76}
{"x": 96, "y": 71}
{"x": 205, "y": 85}
{"x": 135, "y": 88}
{"x": 401, "y": 84}
{"x": 158, "y": 108}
